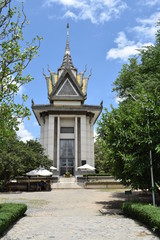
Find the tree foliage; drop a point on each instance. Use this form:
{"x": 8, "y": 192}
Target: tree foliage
{"x": 15, "y": 56}
{"x": 101, "y": 164}
{"x": 17, "y": 158}
{"x": 130, "y": 131}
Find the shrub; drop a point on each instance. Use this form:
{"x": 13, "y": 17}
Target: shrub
{"x": 144, "y": 213}
{"x": 9, "y": 214}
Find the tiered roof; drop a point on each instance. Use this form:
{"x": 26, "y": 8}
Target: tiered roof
{"x": 67, "y": 84}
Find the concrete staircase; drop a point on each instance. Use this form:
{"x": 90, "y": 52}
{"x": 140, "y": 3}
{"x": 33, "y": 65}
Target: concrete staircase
{"x": 67, "y": 183}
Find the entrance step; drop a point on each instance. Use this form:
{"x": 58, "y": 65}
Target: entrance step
{"x": 67, "y": 186}
{"x": 67, "y": 179}
{"x": 67, "y": 183}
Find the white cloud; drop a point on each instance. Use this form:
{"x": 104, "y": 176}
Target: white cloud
{"x": 125, "y": 48}
{"x": 97, "y": 11}
{"x": 118, "y": 99}
{"x": 145, "y": 30}
{"x": 70, "y": 14}
{"x": 104, "y": 17}
{"x": 23, "y": 133}
{"x": 147, "y": 27}
{"x": 122, "y": 40}
{"x": 21, "y": 90}
{"x": 35, "y": 123}
{"x": 67, "y": 3}
{"x": 122, "y": 53}
{"x": 150, "y": 3}
{"x": 21, "y": 1}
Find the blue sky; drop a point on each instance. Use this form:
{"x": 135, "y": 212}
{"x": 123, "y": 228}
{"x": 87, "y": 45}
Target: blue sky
{"x": 103, "y": 34}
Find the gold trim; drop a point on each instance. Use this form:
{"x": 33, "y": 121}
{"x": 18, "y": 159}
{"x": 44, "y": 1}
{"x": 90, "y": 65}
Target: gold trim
{"x": 50, "y": 86}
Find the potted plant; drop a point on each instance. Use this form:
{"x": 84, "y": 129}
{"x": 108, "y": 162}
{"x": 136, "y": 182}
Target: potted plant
{"x": 67, "y": 174}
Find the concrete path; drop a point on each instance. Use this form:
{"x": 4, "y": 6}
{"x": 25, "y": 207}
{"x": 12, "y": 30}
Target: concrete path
{"x": 72, "y": 214}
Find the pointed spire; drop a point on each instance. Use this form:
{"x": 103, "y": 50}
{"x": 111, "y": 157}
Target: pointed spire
{"x": 67, "y": 50}
{"x": 67, "y": 60}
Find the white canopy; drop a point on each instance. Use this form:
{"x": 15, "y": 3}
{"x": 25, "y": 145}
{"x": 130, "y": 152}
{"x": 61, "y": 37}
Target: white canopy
{"x": 86, "y": 167}
{"x": 53, "y": 168}
{"x": 39, "y": 172}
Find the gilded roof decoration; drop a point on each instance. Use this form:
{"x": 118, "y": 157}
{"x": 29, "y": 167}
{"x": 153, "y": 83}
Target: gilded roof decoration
{"x": 56, "y": 80}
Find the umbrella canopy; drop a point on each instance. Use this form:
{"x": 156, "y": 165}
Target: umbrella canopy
{"x": 86, "y": 167}
{"x": 53, "y": 168}
{"x": 39, "y": 172}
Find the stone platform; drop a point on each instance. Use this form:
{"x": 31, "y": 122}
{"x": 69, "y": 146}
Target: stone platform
{"x": 67, "y": 183}
{"x": 92, "y": 183}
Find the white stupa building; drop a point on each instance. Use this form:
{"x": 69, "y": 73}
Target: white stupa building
{"x": 67, "y": 123}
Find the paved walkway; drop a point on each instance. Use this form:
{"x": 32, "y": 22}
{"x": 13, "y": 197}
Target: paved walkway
{"x": 72, "y": 215}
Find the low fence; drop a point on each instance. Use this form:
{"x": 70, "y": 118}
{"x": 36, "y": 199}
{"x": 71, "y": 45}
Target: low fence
{"x": 104, "y": 185}
{"x": 31, "y": 184}
{"x": 100, "y": 182}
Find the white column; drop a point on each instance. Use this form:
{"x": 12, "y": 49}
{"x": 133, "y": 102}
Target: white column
{"x": 88, "y": 142}
{"x": 92, "y": 144}
{"x": 45, "y": 143}
{"x": 42, "y": 134}
{"x": 83, "y": 138}
{"x": 75, "y": 137}
{"x": 58, "y": 141}
{"x": 51, "y": 136}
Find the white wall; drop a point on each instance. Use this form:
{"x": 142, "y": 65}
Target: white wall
{"x": 87, "y": 136}
{"x": 67, "y": 122}
{"x": 92, "y": 144}
{"x": 88, "y": 142}
{"x": 58, "y": 142}
{"x": 76, "y": 142}
{"x": 83, "y": 138}
{"x": 67, "y": 103}
{"x": 42, "y": 133}
{"x": 50, "y": 136}
{"x": 45, "y": 135}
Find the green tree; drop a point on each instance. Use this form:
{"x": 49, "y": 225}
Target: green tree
{"x": 17, "y": 158}
{"x": 101, "y": 164}
{"x": 142, "y": 72}
{"x": 15, "y": 56}
{"x": 129, "y": 132}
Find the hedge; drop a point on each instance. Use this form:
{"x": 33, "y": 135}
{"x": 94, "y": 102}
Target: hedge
{"x": 9, "y": 214}
{"x": 145, "y": 213}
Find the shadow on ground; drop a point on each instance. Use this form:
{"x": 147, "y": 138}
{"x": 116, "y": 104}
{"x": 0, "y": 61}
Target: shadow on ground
{"x": 114, "y": 206}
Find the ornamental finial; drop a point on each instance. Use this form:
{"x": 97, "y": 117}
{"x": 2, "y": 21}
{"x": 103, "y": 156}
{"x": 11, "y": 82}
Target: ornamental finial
{"x": 67, "y": 50}
{"x": 32, "y": 102}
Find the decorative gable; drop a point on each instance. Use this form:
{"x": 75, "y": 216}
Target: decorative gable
{"x": 67, "y": 89}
